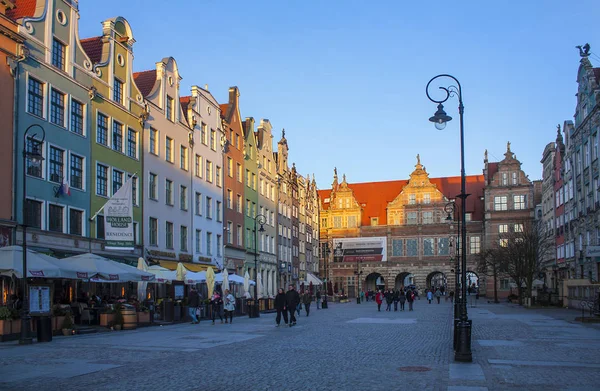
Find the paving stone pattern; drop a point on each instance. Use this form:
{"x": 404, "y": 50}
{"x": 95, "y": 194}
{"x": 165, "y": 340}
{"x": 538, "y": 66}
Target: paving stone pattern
{"x": 346, "y": 347}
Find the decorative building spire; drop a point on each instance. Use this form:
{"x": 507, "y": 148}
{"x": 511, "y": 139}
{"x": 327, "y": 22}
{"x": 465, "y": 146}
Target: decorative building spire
{"x": 334, "y": 185}
{"x": 485, "y": 156}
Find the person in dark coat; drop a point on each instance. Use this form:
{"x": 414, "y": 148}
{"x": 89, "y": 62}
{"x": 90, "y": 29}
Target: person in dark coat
{"x": 389, "y": 298}
{"x": 396, "y": 298}
{"x": 306, "y": 300}
{"x": 193, "y": 303}
{"x": 410, "y": 297}
{"x": 280, "y": 306}
{"x": 318, "y": 296}
{"x": 216, "y": 301}
{"x": 402, "y": 299}
{"x": 292, "y": 299}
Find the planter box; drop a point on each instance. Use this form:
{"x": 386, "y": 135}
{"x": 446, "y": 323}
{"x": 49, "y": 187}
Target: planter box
{"x": 143, "y": 317}
{"x": 106, "y": 319}
{"x": 10, "y": 329}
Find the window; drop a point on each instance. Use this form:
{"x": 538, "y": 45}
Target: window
{"x": 76, "y": 117}
{"x": 102, "y": 129}
{"x": 239, "y": 235}
{"x": 75, "y": 222}
{"x": 169, "y": 149}
{"x": 515, "y": 178}
{"x": 503, "y": 228}
{"x": 55, "y": 218}
{"x": 131, "y": 143}
{"x": 229, "y": 232}
{"x": 237, "y": 141}
{"x": 396, "y": 247}
{"x": 170, "y": 108}
{"x": 169, "y": 235}
{"x": 57, "y": 107}
{"x": 427, "y": 217}
{"x": 208, "y": 207}
{"x": 219, "y": 212}
{"x": 219, "y": 245}
{"x": 253, "y": 181}
{"x": 204, "y": 134}
{"x": 35, "y": 147}
{"x": 505, "y": 283}
{"x": 169, "y": 192}
{"x": 208, "y": 243}
{"x": 153, "y": 141}
{"x": 184, "y": 158}
{"x": 183, "y": 238}
{"x": 153, "y": 231}
{"x": 117, "y": 180}
{"x": 118, "y": 91}
{"x": 218, "y": 176}
{"x": 428, "y": 246}
{"x": 412, "y": 199}
{"x": 351, "y": 221}
{"x": 209, "y": 171}
{"x": 239, "y": 173}
{"x": 248, "y": 178}
{"x": 411, "y": 247}
{"x": 595, "y": 146}
{"x": 198, "y": 204}
{"x": 229, "y": 199}
{"x": 33, "y": 217}
{"x": 411, "y": 218}
{"x": 518, "y": 228}
{"x": 504, "y": 179}
{"x": 183, "y": 198}
{"x": 503, "y": 242}
{"x": 238, "y": 206}
{"x": 443, "y": 246}
{"x": 101, "y": 180}
{"x": 427, "y": 198}
{"x": 213, "y": 140}
{"x": 198, "y": 241}
{"x": 152, "y": 185}
{"x": 519, "y": 202}
{"x": 475, "y": 244}
{"x": 56, "y": 165}
{"x": 586, "y": 155}
{"x": 337, "y": 221}
{"x": 230, "y": 167}
{"x": 100, "y": 227}
{"x": 58, "y": 54}
{"x": 35, "y": 97}
{"x": 117, "y": 139}
{"x": 76, "y": 172}
{"x": 500, "y": 203}
{"x": 198, "y": 164}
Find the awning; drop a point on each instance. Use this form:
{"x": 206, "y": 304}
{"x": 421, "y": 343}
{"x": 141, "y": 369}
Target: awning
{"x": 314, "y": 279}
{"x": 193, "y": 267}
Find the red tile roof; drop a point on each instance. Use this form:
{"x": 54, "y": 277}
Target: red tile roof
{"x": 184, "y": 101}
{"x": 224, "y": 107}
{"x": 23, "y": 9}
{"x": 375, "y": 196}
{"x": 93, "y": 48}
{"x": 492, "y": 170}
{"x": 145, "y": 81}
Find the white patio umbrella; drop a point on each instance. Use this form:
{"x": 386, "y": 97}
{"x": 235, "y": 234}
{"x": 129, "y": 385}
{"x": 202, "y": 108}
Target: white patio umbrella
{"x": 181, "y": 272}
{"x": 105, "y": 269}
{"x": 162, "y": 275}
{"x": 192, "y": 278}
{"x": 238, "y": 280}
{"x": 225, "y": 284}
{"x": 260, "y": 285}
{"x": 38, "y": 265}
{"x": 142, "y": 286}
{"x": 246, "y": 282}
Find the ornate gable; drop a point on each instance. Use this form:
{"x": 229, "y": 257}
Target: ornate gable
{"x": 509, "y": 171}
{"x": 342, "y": 197}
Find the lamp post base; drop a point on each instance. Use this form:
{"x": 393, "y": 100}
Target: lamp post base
{"x": 463, "y": 347}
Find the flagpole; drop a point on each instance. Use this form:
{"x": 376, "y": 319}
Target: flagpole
{"x": 100, "y": 210}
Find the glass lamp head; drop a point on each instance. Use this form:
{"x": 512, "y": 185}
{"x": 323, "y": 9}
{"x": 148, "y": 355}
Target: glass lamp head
{"x": 440, "y": 118}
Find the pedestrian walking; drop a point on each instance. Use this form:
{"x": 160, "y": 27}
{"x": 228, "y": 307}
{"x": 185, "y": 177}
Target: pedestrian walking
{"x": 451, "y": 295}
{"x": 429, "y": 295}
{"x": 280, "y": 306}
{"x": 318, "y": 296}
{"x": 216, "y": 303}
{"x": 379, "y": 300}
{"x": 362, "y": 295}
{"x": 402, "y": 299}
{"x": 389, "y": 298}
{"x": 229, "y": 306}
{"x": 410, "y": 297}
{"x": 438, "y": 295}
{"x": 193, "y": 303}
{"x": 306, "y": 300}
{"x": 396, "y": 298}
{"x": 367, "y": 296}
{"x": 292, "y": 300}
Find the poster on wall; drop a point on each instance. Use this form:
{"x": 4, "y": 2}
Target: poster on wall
{"x": 118, "y": 214}
{"x": 40, "y": 300}
{"x": 360, "y": 249}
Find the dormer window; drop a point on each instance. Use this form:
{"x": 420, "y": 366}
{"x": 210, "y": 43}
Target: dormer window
{"x": 515, "y": 178}
{"x": 504, "y": 179}
{"x": 58, "y": 54}
{"x": 427, "y": 198}
{"x": 170, "y": 108}
{"x": 118, "y": 91}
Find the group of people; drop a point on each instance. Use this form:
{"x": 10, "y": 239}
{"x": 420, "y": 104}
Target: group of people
{"x": 216, "y": 302}
{"x": 291, "y": 302}
{"x": 401, "y": 296}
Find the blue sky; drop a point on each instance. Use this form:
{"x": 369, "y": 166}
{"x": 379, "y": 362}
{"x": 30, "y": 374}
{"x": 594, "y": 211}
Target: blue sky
{"x": 346, "y": 79}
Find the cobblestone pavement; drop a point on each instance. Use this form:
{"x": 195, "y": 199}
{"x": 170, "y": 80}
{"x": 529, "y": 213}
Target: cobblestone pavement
{"x": 346, "y": 347}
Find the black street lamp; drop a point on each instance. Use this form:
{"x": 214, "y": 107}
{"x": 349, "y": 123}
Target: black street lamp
{"x": 358, "y": 274}
{"x": 440, "y": 118}
{"x": 33, "y": 153}
{"x": 260, "y": 219}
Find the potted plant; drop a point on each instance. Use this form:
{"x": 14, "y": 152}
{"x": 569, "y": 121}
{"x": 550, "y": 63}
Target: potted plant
{"x": 118, "y": 318}
{"x": 67, "y": 325}
{"x": 9, "y": 323}
{"x": 143, "y": 314}
{"x": 107, "y": 317}
{"x": 59, "y": 314}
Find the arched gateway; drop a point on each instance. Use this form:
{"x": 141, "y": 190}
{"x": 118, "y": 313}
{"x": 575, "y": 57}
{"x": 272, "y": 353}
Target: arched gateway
{"x": 374, "y": 281}
{"x": 436, "y": 280}
{"x": 404, "y": 279}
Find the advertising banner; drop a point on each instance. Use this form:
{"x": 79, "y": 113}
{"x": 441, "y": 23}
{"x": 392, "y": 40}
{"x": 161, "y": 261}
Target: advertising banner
{"x": 118, "y": 219}
{"x": 360, "y": 249}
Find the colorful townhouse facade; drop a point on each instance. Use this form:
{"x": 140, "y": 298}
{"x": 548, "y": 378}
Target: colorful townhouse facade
{"x": 284, "y": 214}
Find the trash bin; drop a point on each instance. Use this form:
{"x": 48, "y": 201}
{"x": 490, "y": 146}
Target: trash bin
{"x": 253, "y": 309}
{"x": 168, "y": 311}
{"x": 44, "y": 329}
{"x": 324, "y": 303}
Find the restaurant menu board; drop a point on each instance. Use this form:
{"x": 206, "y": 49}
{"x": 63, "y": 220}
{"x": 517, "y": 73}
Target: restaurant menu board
{"x": 40, "y": 300}
{"x": 179, "y": 292}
